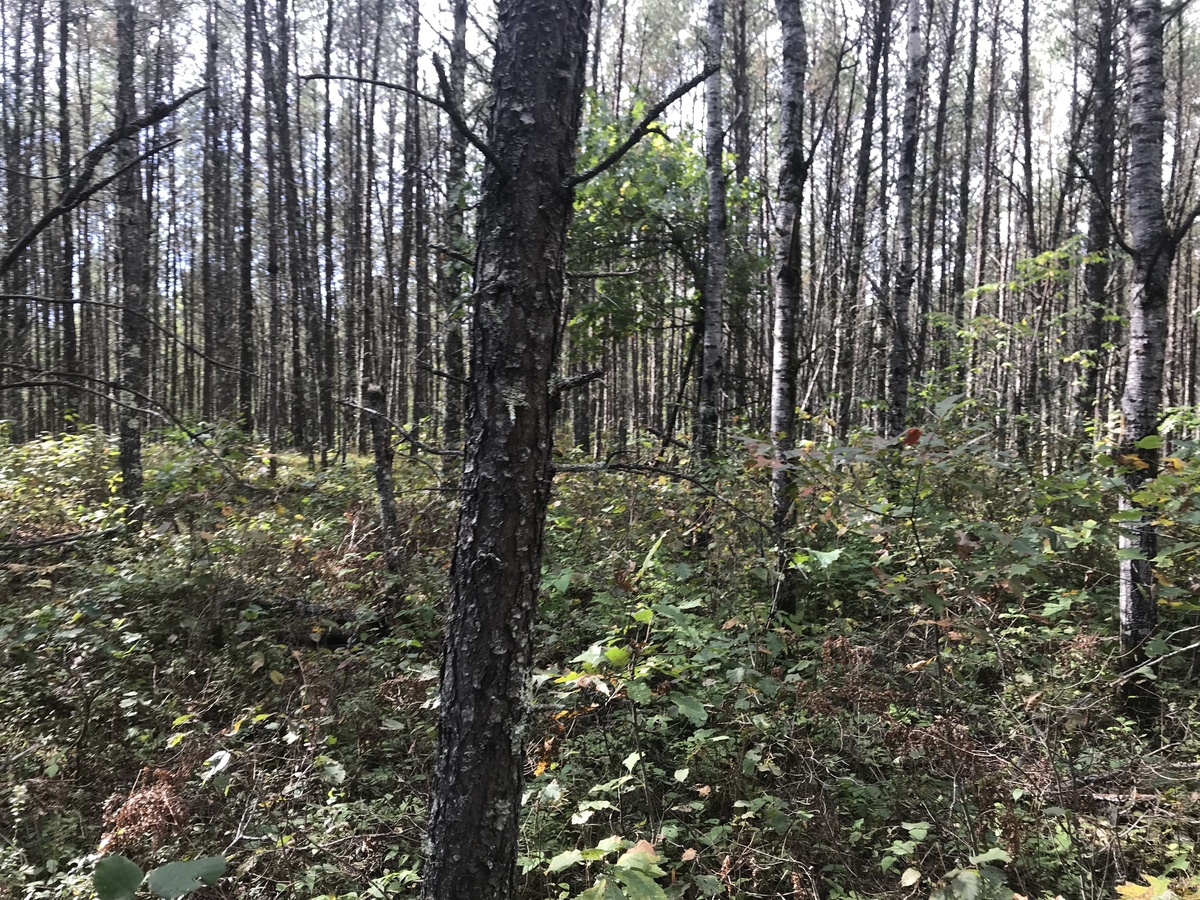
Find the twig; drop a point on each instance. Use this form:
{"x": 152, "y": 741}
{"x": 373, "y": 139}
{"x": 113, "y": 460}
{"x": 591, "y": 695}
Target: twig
{"x": 81, "y": 190}
{"x": 401, "y": 430}
{"x": 449, "y": 108}
{"x": 642, "y": 129}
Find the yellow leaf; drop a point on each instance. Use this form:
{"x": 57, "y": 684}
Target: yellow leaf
{"x": 1133, "y": 462}
{"x": 277, "y": 676}
{"x": 1156, "y": 888}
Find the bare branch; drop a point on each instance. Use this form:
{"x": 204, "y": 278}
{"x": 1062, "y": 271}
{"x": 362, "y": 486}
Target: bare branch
{"x": 82, "y": 189}
{"x": 447, "y": 106}
{"x": 642, "y": 129}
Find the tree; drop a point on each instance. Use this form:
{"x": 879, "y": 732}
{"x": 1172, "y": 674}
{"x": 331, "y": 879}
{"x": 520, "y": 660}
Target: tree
{"x": 793, "y": 171}
{"x": 537, "y": 83}
{"x": 1153, "y": 249}
{"x": 135, "y": 275}
{"x": 712, "y": 359}
{"x": 899, "y": 361}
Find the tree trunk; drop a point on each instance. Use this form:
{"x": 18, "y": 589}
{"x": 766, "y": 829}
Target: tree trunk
{"x": 525, "y": 206}
{"x": 713, "y": 358}
{"x": 792, "y": 175}
{"x": 845, "y": 364}
{"x": 1152, "y": 256}
{"x": 1096, "y": 271}
{"x": 899, "y": 360}
{"x": 132, "y": 237}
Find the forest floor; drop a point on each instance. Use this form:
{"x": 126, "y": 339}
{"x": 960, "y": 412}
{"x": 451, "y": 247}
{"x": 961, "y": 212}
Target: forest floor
{"x": 241, "y": 675}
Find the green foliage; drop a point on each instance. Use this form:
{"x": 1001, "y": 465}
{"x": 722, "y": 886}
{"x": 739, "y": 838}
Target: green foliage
{"x": 118, "y": 878}
{"x": 941, "y": 702}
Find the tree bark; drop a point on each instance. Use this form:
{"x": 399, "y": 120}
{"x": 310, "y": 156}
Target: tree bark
{"x": 899, "y": 360}
{"x": 537, "y": 81}
{"x": 1153, "y": 250}
{"x": 713, "y": 358}
{"x": 792, "y": 175}
{"x": 132, "y": 232}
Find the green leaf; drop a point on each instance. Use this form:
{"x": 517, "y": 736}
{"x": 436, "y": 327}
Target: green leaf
{"x": 639, "y": 886}
{"x": 179, "y": 878}
{"x": 618, "y": 656}
{"x": 631, "y": 760}
{"x": 643, "y": 857}
{"x": 611, "y": 843}
{"x": 643, "y": 615}
{"x": 1150, "y": 442}
{"x": 116, "y": 878}
{"x": 565, "y": 860}
{"x": 826, "y": 558}
{"x": 910, "y": 877}
{"x": 602, "y": 890}
{"x": 691, "y": 709}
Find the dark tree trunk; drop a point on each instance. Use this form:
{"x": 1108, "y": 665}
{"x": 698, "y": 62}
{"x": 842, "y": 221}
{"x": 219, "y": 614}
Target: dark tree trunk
{"x": 845, "y": 365}
{"x": 537, "y": 82}
{"x": 246, "y": 262}
{"x": 899, "y": 360}
{"x": 1097, "y": 270}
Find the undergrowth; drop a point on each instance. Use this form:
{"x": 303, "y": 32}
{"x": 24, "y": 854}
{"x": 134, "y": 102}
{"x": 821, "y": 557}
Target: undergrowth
{"x": 242, "y": 676}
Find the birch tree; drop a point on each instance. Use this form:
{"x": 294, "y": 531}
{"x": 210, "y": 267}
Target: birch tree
{"x": 793, "y": 171}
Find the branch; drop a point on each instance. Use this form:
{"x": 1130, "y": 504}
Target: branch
{"x": 642, "y": 129}
{"x": 576, "y": 381}
{"x": 1185, "y": 225}
{"x": 78, "y": 198}
{"x": 446, "y": 106}
{"x": 454, "y": 254}
{"x": 1118, "y": 233}
{"x": 81, "y": 189}
{"x": 59, "y": 539}
{"x": 401, "y": 430}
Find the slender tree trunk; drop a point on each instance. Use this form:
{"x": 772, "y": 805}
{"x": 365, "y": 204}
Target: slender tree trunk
{"x": 452, "y": 269}
{"x": 538, "y": 79}
{"x": 846, "y": 364}
{"x": 713, "y": 359}
{"x": 899, "y": 360}
{"x": 792, "y": 175}
{"x": 381, "y": 443}
{"x": 1153, "y": 251}
{"x": 66, "y": 282}
{"x": 132, "y": 237}
{"x": 1097, "y": 271}
{"x": 246, "y": 340}
{"x": 958, "y": 278}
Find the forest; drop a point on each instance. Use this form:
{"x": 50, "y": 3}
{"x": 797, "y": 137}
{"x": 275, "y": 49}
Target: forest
{"x": 600, "y": 449}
